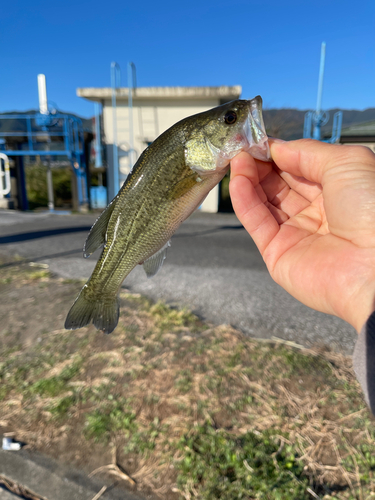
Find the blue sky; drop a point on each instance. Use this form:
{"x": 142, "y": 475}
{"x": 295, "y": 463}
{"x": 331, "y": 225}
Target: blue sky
{"x": 270, "y": 47}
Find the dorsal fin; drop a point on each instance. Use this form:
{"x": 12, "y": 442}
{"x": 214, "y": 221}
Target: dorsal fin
{"x": 154, "y": 263}
{"x": 96, "y": 237}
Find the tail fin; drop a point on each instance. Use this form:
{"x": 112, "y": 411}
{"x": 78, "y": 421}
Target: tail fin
{"x": 104, "y": 313}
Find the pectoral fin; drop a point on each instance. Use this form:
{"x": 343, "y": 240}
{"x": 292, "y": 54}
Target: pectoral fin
{"x": 154, "y": 263}
{"x": 183, "y": 186}
{"x": 96, "y": 237}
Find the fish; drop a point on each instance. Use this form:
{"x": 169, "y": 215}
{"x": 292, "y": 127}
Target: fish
{"x": 169, "y": 181}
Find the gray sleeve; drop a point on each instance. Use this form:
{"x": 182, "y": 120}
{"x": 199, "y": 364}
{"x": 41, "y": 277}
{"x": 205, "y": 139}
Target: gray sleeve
{"x": 364, "y": 361}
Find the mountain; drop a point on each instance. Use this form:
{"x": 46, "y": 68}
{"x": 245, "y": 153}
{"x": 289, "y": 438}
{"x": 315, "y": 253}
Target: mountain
{"x": 287, "y": 124}
{"x": 19, "y": 124}
{"x": 284, "y": 123}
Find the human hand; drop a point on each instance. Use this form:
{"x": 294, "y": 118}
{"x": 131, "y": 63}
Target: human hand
{"x": 311, "y": 214}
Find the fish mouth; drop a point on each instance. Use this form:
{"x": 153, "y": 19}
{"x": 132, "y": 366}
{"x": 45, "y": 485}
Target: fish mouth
{"x": 255, "y": 131}
{"x": 251, "y": 137}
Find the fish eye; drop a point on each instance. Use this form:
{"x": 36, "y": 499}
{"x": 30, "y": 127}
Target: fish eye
{"x": 230, "y": 117}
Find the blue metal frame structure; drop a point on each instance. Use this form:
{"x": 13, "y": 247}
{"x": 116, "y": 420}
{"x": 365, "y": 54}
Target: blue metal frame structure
{"x": 314, "y": 120}
{"x": 67, "y": 128}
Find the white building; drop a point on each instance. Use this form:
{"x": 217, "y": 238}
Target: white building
{"x": 360, "y": 134}
{"x": 154, "y": 110}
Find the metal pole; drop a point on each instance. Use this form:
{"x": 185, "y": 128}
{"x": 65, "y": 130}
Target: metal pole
{"x": 115, "y": 72}
{"x": 318, "y": 118}
{"x": 42, "y": 91}
{"x": 98, "y": 149}
{"x": 51, "y": 205}
{"x": 131, "y": 85}
{"x": 321, "y": 77}
{"x": 43, "y": 109}
{"x": 51, "y": 201}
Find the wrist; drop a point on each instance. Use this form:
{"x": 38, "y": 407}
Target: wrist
{"x": 360, "y": 309}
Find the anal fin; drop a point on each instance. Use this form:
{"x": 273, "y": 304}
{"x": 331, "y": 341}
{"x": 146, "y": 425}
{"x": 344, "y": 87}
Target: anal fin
{"x": 154, "y": 263}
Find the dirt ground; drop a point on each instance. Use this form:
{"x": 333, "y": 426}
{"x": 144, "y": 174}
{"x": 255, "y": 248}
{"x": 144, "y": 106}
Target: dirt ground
{"x": 123, "y": 402}
{"x": 30, "y": 307}
{"x": 33, "y": 306}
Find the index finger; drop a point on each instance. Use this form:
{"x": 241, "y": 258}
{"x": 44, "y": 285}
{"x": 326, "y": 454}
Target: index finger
{"x": 313, "y": 159}
{"x": 305, "y": 158}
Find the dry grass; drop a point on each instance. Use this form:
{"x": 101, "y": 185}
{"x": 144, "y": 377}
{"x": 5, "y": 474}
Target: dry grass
{"x": 161, "y": 374}
{"x": 18, "y": 489}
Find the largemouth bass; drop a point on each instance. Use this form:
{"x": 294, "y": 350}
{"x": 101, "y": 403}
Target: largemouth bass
{"x": 169, "y": 181}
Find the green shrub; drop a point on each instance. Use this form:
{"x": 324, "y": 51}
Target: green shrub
{"x": 36, "y": 185}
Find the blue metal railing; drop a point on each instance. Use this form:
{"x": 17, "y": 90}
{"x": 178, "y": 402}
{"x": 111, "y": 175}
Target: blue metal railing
{"x": 315, "y": 120}
{"x": 46, "y": 128}
{"x": 67, "y": 127}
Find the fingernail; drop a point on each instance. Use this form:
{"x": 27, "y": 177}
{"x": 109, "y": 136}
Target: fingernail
{"x": 276, "y": 140}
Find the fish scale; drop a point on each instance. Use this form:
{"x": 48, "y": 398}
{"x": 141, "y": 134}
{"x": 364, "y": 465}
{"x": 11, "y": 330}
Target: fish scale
{"x": 169, "y": 181}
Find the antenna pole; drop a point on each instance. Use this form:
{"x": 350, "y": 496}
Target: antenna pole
{"x": 42, "y": 91}
{"x": 321, "y": 78}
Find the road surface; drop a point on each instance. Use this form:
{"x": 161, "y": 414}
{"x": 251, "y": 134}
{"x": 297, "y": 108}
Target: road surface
{"x": 212, "y": 267}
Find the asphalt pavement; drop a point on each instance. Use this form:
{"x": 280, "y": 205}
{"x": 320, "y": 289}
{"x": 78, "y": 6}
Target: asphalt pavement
{"x": 213, "y": 267}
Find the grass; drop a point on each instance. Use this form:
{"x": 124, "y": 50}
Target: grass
{"x": 38, "y": 275}
{"x": 191, "y": 410}
{"x": 52, "y": 386}
{"x": 247, "y": 466}
{"x": 109, "y": 419}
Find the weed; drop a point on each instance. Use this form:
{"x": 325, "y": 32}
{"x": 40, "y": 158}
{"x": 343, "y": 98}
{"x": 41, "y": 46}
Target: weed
{"x": 241, "y": 403}
{"x": 219, "y": 465}
{"x": 5, "y": 281}
{"x": 61, "y": 408}
{"x": 235, "y": 358}
{"x": 166, "y": 317}
{"x": 301, "y": 364}
{"x": 48, "y": 386}
{"x": 184, "y": 381}
{"x": 145, "y": 441}
{"x": 38, "y": 275}
{"x": 68, "y": 281}
{"x": 109, "y": 419}
{"x": 71, "y": 371}
{"x": 53, "y": 386}
{"x": 199, "y": 347}
{"x": 3, "y": 392}
{"x": 151, "y": 399}
{"x": 133, "y": 328}
{"x": 363, "y": 460}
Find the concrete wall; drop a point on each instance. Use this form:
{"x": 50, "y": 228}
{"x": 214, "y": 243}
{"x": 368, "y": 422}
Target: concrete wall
{"x": 149, "y": 121}
{"x": 155, "y": 109}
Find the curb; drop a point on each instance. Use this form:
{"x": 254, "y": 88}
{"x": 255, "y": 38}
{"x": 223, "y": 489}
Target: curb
{"x": 7, "y": 495}
{"x": 46, "y": 478}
